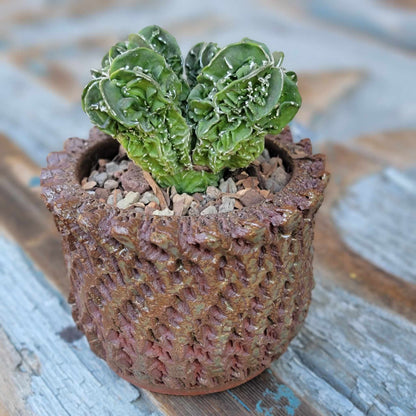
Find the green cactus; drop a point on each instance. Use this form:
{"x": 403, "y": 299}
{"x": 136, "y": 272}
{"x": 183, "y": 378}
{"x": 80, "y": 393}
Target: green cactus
{"x": 186, "y": 122}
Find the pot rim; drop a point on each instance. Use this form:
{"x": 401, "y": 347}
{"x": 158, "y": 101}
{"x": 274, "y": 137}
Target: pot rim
{"x": 63, "y": 194}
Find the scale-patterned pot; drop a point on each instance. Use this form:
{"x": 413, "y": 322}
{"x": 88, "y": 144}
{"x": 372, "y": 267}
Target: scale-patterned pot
{"x": 187, "y": 305}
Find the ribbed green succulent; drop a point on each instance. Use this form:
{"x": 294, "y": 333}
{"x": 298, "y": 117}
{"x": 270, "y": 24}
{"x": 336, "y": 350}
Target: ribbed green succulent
{"x": 186, "y": 122}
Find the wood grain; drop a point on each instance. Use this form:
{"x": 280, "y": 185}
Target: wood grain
{"x": 14, "y": 380}
{"x": 334, "y": 260}
{"x": 24, "y": 216}
{"x": 65, "y": 377}
{"x": 394, "y": 148}
{"x": 37, "y": 119}
{"x": 321, "y": 90}
{"x": 351, "y": 357}
{"x": 377, "y": 220}
{"x": 265, "y": 395}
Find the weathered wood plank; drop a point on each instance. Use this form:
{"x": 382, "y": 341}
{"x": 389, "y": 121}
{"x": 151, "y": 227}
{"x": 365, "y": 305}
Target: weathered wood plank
{"x": 36, "y": 118}
{"x": 24, "y": 216}
{"x": 265, "y": 395}
{"x": 352, "y": 358}
{"x": 334, "y": 260}
{"x": 321, "y": 90}
{"x": 377, "y": 220}
{"x": 14, "y": 380}
{"x": 65, "y": 377}
{"x": 53, "y": 48}
{"x": 394, "y": 148}
{"x": 375, "y": 18}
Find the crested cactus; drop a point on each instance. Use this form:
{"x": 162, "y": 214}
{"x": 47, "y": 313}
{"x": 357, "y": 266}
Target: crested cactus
{"x": 186, "y": 122}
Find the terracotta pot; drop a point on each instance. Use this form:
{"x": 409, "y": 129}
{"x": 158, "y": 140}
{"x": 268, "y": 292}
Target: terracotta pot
{"x": 187, "y": 305}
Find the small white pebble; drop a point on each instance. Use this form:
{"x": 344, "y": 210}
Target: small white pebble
{"x": 110, "y": 184}
{"x": 149, "y": 197}
{"x": 228, "y": 186}
{"x": 209, "y": 210}
{"x": 124, "y": 164}
{"x": 101, "y": 178}
{"x": 89, "y": 185}
{"x": 112, "y": 167}
{"x": 227, "y": 205}
{"x": 115, "y": 194}
{"x": 128, "y": 200}
{"x": 164, "y": 212}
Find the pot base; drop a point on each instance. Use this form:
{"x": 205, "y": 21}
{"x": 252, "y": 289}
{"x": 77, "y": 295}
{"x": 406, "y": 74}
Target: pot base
{"x": 196, "y": 392}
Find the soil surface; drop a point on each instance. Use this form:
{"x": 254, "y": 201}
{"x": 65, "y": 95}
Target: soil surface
{"x": 121, "y": 183}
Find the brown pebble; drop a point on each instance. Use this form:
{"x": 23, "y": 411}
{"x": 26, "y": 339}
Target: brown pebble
{"x": 238, "y": 204}
{"x": 250, "y": 182}
{"x": 133, "y": 180}
{"x": 118, "y": 174}
{"x": 172, "y": 191}
{"x": 198, "y": 196}
{"x": 102, "y": 193}
{"x": 102, "y": 162}
{"x": 265, "y": 193}
{"x": 150, "y": 207}
{"x": 251, "y": 197}
{"x": 181, "y": 203}
{"x": 242, "y": 175}
{"x": 194, "y": 209}
{"x": 156, "y": 189}
{"x": 89, "y": 185}
{"x": 122, "y": 151}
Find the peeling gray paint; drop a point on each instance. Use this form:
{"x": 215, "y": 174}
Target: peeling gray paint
{"x": 352, "y": 358}
{"x": 66, "y": 378}
{"x": 377, "y": 220}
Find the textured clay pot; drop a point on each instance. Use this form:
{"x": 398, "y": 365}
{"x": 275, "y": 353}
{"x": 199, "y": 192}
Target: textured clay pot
{"x": 187, "y": 305}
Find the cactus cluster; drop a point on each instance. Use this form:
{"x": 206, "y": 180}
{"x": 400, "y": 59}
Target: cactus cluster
{"x": 186, "y": 121}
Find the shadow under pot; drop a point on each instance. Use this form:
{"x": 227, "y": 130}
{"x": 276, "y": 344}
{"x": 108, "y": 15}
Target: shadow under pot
{"x": 187, "y": 304}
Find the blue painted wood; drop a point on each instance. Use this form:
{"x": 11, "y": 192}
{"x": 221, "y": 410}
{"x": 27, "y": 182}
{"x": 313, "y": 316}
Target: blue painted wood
{"x": 76, "y": 42}
{"x": 66, "y": 377}
{"x": 35, "y": 117}
{"x": 379, "y": 19}
{"x": 352, "y": 358}
{"x": 377, "y": 220}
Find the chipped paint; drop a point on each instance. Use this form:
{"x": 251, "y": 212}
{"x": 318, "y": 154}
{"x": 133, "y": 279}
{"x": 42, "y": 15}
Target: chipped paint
{"x": 66, "y": 378}
{"x": 385, "y": 238}
{"x": 284, "y": 397}
{"x": 34, "y": 182}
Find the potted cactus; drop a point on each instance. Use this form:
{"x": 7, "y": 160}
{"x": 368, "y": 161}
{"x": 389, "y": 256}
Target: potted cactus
{"x": 176, "y": 302}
